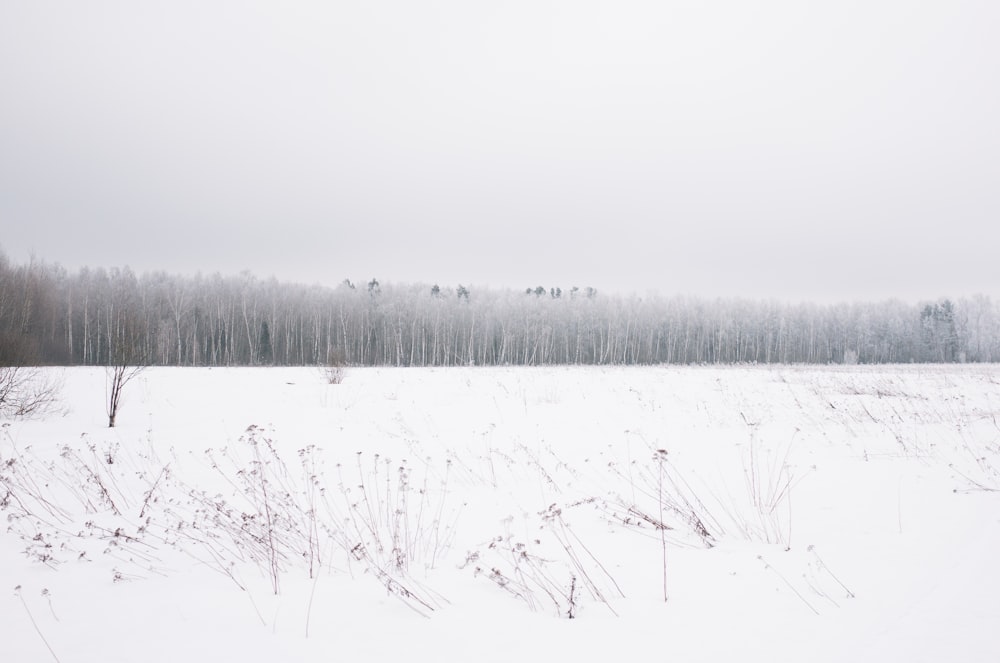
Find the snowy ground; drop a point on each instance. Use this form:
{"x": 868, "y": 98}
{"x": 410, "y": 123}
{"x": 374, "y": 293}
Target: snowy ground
{"x": 788, "y": 513}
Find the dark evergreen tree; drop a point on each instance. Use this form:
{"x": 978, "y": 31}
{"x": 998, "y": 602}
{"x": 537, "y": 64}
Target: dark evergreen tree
{"x": 265, "y": 353}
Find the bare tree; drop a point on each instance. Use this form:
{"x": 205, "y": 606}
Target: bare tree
{"x": 240, "y": 320}
{"x": 118, "y": 376}
{"x": 127, "y": 355}
{"x": 24, "y": 389}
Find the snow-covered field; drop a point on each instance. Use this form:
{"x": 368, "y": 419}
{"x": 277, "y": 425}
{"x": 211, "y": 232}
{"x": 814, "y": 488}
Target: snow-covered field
{"x": 785, "y": 513}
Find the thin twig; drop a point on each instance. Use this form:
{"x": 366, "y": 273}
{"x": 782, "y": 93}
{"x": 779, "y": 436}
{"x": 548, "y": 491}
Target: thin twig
{"x": 17, "y": 590}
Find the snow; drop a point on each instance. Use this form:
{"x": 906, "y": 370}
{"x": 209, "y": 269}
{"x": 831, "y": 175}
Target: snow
{"x": 815, "y": 513}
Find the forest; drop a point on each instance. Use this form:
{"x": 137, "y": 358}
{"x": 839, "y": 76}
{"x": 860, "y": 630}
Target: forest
{"x": 100, "y": 316}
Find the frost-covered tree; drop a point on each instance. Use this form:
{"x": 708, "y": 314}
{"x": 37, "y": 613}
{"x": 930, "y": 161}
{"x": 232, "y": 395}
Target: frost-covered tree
{"x": 241, "y": 320}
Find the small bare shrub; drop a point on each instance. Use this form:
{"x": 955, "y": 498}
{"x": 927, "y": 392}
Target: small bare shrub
{"x": 334, "y": 370}
{"x": 118, "y": 376}
{"x": 26, "y": 391}
{"x": 127, "y": 358}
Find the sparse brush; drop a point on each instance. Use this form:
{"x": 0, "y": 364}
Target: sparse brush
{"x": 269, "y": 516}
{"x": 522, "y": 569}
{"x": 392, "y": 529}
{"x": 768, "y": 486}
{"x": 976, "y": 462}
{"x": 663, "y": 499}
{"x": 26, "y": 391}
{"x": 569, "y": 541}
{"x": 763, "y": 512}
{"x": 517, "y": 570}
{"x": 335, "y": 368}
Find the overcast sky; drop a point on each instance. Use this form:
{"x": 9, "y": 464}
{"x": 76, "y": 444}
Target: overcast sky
{"x": 799, "y": 150}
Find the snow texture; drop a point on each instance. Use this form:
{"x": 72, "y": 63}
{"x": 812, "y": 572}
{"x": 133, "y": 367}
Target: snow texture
{"x": 785, "y": 513}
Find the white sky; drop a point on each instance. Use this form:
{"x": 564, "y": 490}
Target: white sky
{"x": 798, "y": 150}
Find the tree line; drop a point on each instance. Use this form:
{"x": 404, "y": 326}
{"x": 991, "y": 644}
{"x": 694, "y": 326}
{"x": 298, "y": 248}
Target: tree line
{"x": 113, "y": 316}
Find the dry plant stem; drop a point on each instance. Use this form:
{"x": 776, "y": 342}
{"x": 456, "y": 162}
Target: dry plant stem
{"x": 689, "y": 494}
{"x": 826, "y": 568}
{"x": 400, "y": 591}
{"x": 819, "y": 592}
{"x": 788, "y": 534}
{"x": 272, "y": 550}
{"x": 92, "y": 478}
{"x": 568, "y": 547}
{"x": 105, "y": 463}
{"x": 977, "y": 485}
{"x": 35, "y": 625}
{"x": 418, "y": 528}
{"x": 790, "y": 586}
{"x": 370, "y": 520}
{"x": 663, "y": 535}
{"x": 572, "y": 598}
{"x": 437, "y": 520}
{"x": 628, "y": 459}
{"x": 309, "y": 476}
{"x": 26, "y": 478}
{"x": 309, "y": 608}
{"x": 149, "y": 495}
{"x": 52, "y": 609}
